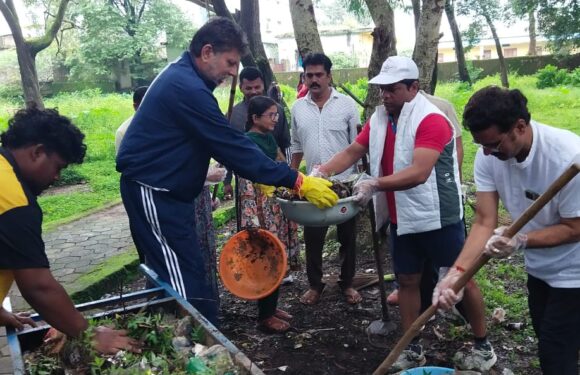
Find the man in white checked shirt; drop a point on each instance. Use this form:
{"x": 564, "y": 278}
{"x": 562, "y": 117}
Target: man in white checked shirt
{"x": 324, "y": 123}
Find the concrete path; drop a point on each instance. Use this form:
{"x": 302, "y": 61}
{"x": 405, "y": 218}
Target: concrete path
{"x": 73, "y": 249}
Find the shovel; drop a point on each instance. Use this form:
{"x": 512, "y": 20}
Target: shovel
{"x": 384, "y": 326}
{"x": 528, "y": 214}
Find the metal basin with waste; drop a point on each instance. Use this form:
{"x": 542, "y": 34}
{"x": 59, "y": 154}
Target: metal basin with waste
{"x": 305, "y": 213}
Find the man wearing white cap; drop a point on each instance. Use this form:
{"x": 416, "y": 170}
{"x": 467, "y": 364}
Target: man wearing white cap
{"x": 414, "y": 165}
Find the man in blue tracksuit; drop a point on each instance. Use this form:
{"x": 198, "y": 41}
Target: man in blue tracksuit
{"x": 165, "y": 154}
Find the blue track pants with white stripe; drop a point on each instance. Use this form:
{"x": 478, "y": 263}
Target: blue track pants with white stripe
{"x": 163, "y": 229}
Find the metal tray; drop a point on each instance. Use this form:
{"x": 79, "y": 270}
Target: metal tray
{"x": 162, "y": 296}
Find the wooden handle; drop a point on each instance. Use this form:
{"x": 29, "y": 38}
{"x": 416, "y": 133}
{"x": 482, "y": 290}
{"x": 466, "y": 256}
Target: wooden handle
{"x": 528, "y": 214}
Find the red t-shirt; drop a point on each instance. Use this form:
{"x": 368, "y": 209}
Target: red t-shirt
{"x": 433, "y": 132}
{"x": 303, "y": 92}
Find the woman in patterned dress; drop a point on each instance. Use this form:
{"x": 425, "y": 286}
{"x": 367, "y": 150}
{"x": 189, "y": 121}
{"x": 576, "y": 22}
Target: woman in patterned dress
{"x": 260, "y": 210}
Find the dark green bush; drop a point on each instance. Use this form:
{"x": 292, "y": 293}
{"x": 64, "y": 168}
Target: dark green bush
{"x": 551, "y": 76}
{"x": 70, "y": 176}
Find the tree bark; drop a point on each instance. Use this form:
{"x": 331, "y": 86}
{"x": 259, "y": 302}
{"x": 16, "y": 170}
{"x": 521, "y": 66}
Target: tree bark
{"x": 222, "y": 10}
{"x": 26, "y": 50}
{"x": 459, "y": 53}
{"x": 384, "y": 45}
{"x": 532, "y": 33}
{"x": 427, "y": 41}
{"x": 305, "y": 27}
{"x": 502, "y": 65}
{"x": 416, "y": 4}
{"x": 250, "y": 23}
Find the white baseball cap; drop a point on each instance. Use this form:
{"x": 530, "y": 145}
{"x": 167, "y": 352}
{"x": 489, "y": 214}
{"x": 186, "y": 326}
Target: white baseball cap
{"x": 395, "y": 69}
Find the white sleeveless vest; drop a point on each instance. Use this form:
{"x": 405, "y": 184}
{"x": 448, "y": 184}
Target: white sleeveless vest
{"x": 428, "y": 206}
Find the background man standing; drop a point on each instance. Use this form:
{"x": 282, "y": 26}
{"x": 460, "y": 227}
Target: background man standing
{"x": 138, "y": 95}
{"x": 252, "y": 84}
{"x": 323, "y": 123}
{"x": 518, "y": 159}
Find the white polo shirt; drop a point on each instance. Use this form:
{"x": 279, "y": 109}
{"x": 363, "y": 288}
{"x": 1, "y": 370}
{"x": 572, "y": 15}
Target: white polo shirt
{"x": 320, "y": 134}
{"x": 518, "y": 183}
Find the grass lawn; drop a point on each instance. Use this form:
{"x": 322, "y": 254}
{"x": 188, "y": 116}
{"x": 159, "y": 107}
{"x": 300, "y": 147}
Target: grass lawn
{"x": 98, "y": 116}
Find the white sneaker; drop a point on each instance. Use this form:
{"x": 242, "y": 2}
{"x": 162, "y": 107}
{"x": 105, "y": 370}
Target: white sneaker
{"x": 408, "y": 359}
{"x": 480, "y": 359}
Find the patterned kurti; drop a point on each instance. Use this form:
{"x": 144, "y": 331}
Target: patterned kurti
{"x": 206, "y": 236}
{"x": 257, "y": 210}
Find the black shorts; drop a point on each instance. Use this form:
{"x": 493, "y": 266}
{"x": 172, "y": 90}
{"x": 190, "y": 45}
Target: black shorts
{"x": 441, "y": 246}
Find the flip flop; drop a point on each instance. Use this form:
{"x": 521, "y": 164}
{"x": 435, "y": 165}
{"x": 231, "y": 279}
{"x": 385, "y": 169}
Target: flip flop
{"x": 352, "y": 296}
{"x": 273, "y": 325}
{"x": 281, "y": 314}
{"x": 311, "y": 297}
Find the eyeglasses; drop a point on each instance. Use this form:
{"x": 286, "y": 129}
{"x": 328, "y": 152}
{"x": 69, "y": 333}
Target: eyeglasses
{"x": 493, "y": 148}
{"x": 274, "y": 116}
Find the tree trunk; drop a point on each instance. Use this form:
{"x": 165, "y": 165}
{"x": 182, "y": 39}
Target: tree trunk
{"x": 250, "y": 23}
{"x": 459, "y": 53}
{"x": 532, "y": 33}
{"x": 416, "y": 13}
{"x": 26, "y": 50}
{"x": 427, "y": 41}
{"x": 384, "y": 45}
{"x": 221, "y": 10}
{"x": 305, "y": 27}
{"x": 502, "y": 66}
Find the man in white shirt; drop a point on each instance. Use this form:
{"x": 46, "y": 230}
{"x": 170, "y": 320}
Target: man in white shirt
{"x": 138, "y": 95}
{"x": 323, "y": 123}
{"x": 518, "y": 160}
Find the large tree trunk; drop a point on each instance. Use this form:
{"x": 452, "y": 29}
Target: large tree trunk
{"x": 502, "y": 65}
{"x": 250, "y": 23}
{"x": 427, "y": 41}
{"x": 459, "y": 53}
{"x": 532, "y": 33}
{"x": 305, "y": 27}
{"x": 384, "y": 45}
{"x": 27, "y": 50}
{"x": 221, "y": 9}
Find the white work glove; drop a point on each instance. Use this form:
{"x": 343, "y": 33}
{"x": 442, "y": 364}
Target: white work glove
{"x": 443, "y": 295}
{"x": 316, "y": 172}
{"x": 215, "y": 175}
{"x": 364, "y": 189}
{"x": 499, "y": 246}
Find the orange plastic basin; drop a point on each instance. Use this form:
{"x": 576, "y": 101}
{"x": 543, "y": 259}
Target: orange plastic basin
{"x": 253, "y": 263}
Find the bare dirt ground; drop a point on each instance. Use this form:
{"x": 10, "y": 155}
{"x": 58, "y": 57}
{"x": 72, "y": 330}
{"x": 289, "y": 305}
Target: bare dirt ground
{"x": 330, "y": 338}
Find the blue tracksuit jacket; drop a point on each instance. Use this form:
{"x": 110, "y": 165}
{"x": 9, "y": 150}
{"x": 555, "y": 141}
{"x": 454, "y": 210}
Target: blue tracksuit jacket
{"x": 179, "y": 127}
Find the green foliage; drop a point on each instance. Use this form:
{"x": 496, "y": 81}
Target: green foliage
{"x": 473, "y": 71}
{"x": 559, "y": 21}
{"x": 70, "y": 176}
{"x": 341, "y": 60}
{"x": 551, "y": 76}
{"x": 128, "y": 32}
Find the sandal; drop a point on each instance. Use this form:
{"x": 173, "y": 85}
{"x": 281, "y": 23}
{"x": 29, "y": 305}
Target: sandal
{"x": 352, "y": 296}
{"x": 281, "y": 314}
{"x": 311, "y": 297}
{"x": 273, "y": 325}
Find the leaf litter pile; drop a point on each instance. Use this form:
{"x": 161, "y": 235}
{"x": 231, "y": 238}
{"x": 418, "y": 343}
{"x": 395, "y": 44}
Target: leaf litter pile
{"x": 170, "y": 346}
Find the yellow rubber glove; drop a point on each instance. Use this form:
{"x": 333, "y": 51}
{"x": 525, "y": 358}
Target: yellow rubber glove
{"x": 316, "y": 190}
{"x": 267, "y": 190}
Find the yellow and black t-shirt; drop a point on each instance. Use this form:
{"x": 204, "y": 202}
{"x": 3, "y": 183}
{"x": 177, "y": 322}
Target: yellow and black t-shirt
{"x": 21, "y": 244}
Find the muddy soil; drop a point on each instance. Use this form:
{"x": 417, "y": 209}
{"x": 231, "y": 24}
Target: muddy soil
{"x": 329, "y": 338}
